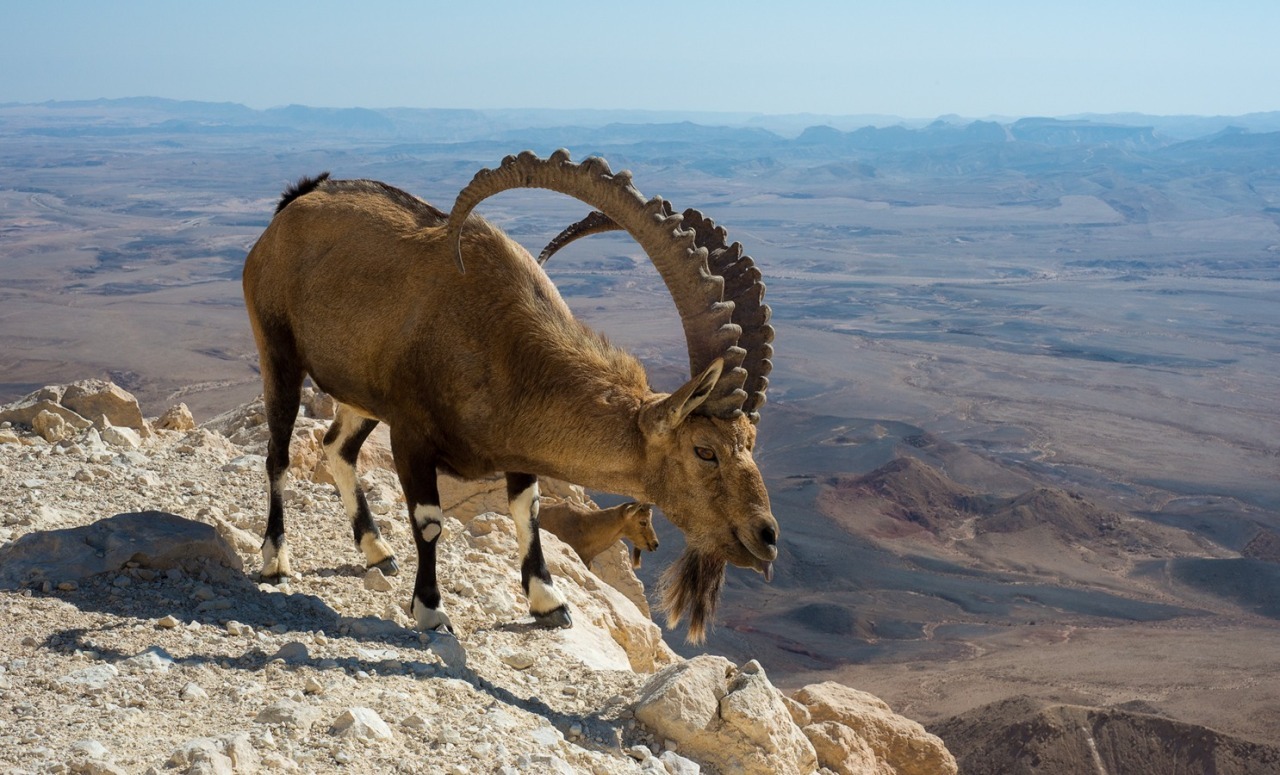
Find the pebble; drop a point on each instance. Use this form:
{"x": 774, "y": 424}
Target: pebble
{"x": 377, "y": 581}
{"x": 293, "y": 652}
{"x": 312, "y": 686}
{"x": 520, "y": 659}
{"x": 193, "y": 692}
{"x": 360, "y": 724}
{"x": 167, "y": 622}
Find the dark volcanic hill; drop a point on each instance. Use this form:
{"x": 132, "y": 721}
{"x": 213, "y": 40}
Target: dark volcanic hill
{"x": 1023, "y": 736}
{"x": 911, "y": 491}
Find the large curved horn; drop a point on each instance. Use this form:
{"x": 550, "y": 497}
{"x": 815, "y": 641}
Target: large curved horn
{"x": 743, "y": 286}
{"x": 709, "y": 330}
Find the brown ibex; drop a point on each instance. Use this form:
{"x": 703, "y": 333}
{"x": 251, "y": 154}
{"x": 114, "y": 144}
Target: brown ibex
{"x": 589, "y": 531}
{"x": 484, "y": 370}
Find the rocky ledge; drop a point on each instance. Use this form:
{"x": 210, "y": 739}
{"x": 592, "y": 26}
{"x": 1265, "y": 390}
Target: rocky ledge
{"x": 134, "y": 637}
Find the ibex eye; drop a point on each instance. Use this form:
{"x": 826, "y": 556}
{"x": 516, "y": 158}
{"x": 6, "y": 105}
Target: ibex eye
{"x": 705, "y": 453}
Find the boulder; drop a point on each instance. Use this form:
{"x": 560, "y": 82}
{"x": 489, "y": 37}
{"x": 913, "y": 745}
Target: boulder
{"x": 100, "y": 398}
{"x": 899, "y": 745}
{"x": 176, "y": 418}
{"x": 50, "y": 426}
{"x": 153, "y": 539}
{"x": 23, "y": 411}
{"x": 733, "y": 718}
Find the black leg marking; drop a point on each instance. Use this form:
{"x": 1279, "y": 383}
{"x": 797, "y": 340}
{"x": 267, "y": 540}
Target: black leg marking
{"x": 546, "y": 603}
{"x": 417, "y": 470}
{"x": 282, "y": 393}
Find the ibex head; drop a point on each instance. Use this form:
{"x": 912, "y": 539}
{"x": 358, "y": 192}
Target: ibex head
{"x": 697, "y": 463}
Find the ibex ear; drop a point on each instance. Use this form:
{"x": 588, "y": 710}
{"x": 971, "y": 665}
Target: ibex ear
{"x": 666, "y": 415}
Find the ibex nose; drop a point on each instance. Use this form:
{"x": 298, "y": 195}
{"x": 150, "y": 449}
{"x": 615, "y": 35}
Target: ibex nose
{"x": 768, "y": 535}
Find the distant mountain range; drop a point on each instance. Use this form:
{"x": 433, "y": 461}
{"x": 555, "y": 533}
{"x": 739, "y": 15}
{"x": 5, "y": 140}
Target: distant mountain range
{"x": 869, "y": 131}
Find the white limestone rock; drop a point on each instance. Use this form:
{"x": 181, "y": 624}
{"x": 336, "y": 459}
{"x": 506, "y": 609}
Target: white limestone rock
{"x": 360, "y": 724}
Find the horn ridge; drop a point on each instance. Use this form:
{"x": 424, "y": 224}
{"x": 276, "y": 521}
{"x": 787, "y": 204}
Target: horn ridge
{"x": 745, "y": 289}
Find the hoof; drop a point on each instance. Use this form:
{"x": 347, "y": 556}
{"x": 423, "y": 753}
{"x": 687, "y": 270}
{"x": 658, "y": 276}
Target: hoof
{"x": 555, "y": 619}
{"x": 389, "y": 566}
{"x": 274, "y": 579}
{"x": 431, "y": 619}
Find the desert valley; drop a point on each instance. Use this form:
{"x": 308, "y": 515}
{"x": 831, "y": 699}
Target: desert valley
{"x": 1023, "y": 430}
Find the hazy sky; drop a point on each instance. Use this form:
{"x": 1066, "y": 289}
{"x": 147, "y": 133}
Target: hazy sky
{"x": 916, "y": 59}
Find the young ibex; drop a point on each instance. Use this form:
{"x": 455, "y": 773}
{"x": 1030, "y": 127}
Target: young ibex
{"x": 354, "y": 283}
{"x": 590, "y": 531}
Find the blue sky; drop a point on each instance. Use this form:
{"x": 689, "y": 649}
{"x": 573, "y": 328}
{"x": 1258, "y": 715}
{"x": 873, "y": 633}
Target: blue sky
{"x": 914, "y": 59}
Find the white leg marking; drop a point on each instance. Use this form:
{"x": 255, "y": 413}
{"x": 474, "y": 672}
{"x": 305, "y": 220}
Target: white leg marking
{"x": 344, "y": 478}
{"x": 522, "y": 510}
{"x": 427, "y": 521}
{"x": 429, "y": 618}
{"x": 275, "y": 559}
{"x": 375, "y": 549}
{"x": 542, "y": 597}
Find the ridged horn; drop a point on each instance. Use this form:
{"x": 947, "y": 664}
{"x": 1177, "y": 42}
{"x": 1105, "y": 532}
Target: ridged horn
{"x": 743, "y": 286}
{"x": 698, "y": 293}
{"x": 596, "y": 222}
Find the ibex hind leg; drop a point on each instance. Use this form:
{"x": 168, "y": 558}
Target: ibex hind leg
{"x": 342, "y": 445}
{"x": 546, "y": 603}
{"x": 281, "y": 392}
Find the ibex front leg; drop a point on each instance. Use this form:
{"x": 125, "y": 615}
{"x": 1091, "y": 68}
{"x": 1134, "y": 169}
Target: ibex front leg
{"x": 546, "y": 603}
{"x": 417, "y": 469}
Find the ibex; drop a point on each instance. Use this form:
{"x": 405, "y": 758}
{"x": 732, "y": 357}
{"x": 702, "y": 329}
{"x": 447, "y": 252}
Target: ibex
{"x": 451, "y": 333}
{"x": 589, "y": 531}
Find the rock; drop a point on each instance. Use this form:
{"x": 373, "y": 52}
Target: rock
{"x": 377, "y": 581}
{"x": 89, "y": 748}
{"x": 312, "y": 686}
{"x": 176, "y": 418}
{"x": 202, "y": 756}
{"x": 678, "y": 765}
{"x": 193, "y": 692}
{"x": 124, "y": 438}
{"x": 361, "y": 724}
{"x": 448, "y": 649}
{"x": 243, "y": 541}
{"x": 97, "y": 398}
{"x": 9, "y": 437}
{"x": 242, "y": 464}
{"x": 521, "y": 659}
{"x": 239, "y": 749}
{"x": 23, "y": 412}
{"x": 152, "y": 539}
{"x": 898, "y": 744}
{"x": 613, "y": 567}
{"x": 734, "y": 718}
{"x": 96, "y": 767}
{"x": 637, "y": 641}
{"x": 289, "y": 713}
{"x": 50, "y": 426}
{"x": 153, "y": 660}
{"x": 317, "y": 404}
{"x": 293, "y": 652}
{"x": 91, "y": 680}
